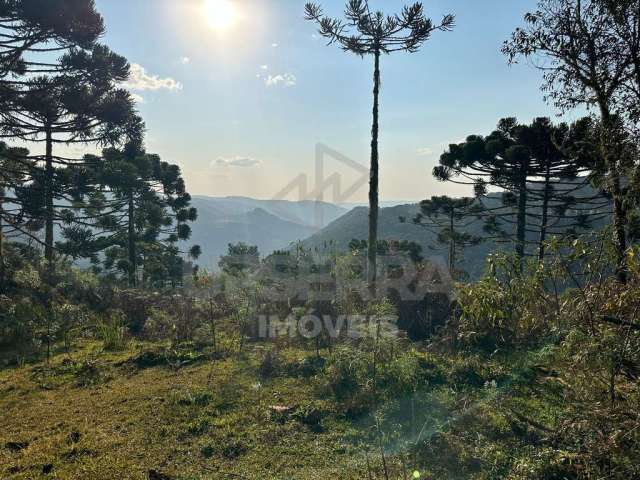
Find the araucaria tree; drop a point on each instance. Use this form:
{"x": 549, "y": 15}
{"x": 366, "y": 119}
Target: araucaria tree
{"x": 366, "y": 32}
{"x": 447, "y": 219}
{"x": 42, "y": 26}
{"x": 140, "y": 211}
{"x": 60, "y": 88}
{"x": 542, "y": 170}
{"x": 589, "y": 51}
{"x": 13, "y": 170}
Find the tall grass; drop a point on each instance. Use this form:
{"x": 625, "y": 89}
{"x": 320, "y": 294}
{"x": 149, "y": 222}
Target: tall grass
{"x": 113, "y": 332}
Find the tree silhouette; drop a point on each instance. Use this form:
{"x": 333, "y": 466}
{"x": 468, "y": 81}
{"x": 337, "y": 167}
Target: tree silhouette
{"x": 240, "y": 259}
{"x": 366, "y": 32}
{"x": 542, "y": 171}
{"x": 624, "y": 17}
{"x": 58, "y": 86}
{"x": 82, "y": 104}
{"x": 31, "y": 33}
{"x": 446, "y": 218}
{"x": 42, "y": 26}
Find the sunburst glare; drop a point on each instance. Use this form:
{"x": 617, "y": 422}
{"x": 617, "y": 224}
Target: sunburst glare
{"x": 221, "y": 14}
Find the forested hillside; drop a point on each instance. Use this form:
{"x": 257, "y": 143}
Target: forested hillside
{"x": 336, "y": 236}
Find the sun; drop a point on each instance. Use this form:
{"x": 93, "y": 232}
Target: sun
{"x": 221, "y": 14}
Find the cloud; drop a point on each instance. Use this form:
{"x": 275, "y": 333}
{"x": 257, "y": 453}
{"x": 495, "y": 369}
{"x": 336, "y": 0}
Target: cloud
{"x": 425, "y": 151}
{"x": 284, "y": 79}
{"x": 242, "y": 162}
{"x": 140, "y": 80}
{"x": 137, "y": 98}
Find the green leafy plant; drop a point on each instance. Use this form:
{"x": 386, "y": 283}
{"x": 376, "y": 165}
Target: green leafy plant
{"x": 113, "y": 332}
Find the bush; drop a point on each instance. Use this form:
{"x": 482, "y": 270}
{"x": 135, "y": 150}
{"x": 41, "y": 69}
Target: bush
{"x": 87, "y": 374}
{"x": 347, "y": 372}
{"x": 305, "y": 368}
{"x": 402, "y": 375}
{"x": 159, "y": 325}
{"x": 504, "y": 309}
{"x": 134, "y": 306}
{"x": 349, "y": 375}
{"x": 113, "y": 332}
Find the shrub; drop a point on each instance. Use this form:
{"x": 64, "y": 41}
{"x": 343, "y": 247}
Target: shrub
{"x": 347, "y": 372}
{"x": 71, "y": 320}
{"x": 134, "y": 306}
{"x": 19, "y": 322}
{"x": 159, "y": 325}
{"x": 307, "y": 367}
{"x": 113, "y": 332}
{"x": 503, "y": 309}
{"x": 311, "y": 414}
{"x": 401, "y": 375}
{"x": 187, "y": 318}
{"x": 87, "y": 374}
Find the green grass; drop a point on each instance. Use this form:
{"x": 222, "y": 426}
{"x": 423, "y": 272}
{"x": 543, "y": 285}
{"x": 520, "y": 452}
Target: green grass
{"x": 195, "y": 422}
{"x": 95, "y": 414}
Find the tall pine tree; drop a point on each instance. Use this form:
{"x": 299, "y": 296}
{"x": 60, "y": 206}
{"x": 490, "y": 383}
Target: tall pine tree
{"x": 141, "y": 211}
{"x": 367, "y": 32}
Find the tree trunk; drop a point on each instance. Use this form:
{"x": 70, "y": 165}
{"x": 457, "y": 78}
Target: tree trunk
{"x": 212, "y": 323}
{"x": 619, "y": 210}
{"x": 522, "y": 221}
{"x": 131, "y": 243}
{"x": 620, "y": 236}
{"x": 2, "y": 270}
{"x": 452, "y": 245}
{"x": 545, "y": 212}
{"x": 48, "y": 199}
{"x": 373, "y": 184}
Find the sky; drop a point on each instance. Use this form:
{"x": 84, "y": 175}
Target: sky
{"x": 242, "y": 106}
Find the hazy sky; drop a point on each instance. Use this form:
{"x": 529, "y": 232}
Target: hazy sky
{"x": 241, "y": 108}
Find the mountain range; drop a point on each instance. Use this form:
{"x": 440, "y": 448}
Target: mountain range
{"x": 326, "y": 228}
{"x": 355, "y": 225}
{"x": 275, "y": 225}
{"x": 268, "y": 224}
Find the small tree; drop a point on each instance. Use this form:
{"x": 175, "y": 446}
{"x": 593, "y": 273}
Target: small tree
{"x": 447, "y": 218}
{"x": 240, "y": 259}
{"x": 373, "y": 33}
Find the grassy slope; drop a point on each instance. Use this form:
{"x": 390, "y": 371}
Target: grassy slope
{"x": 213, "y": 420}
{"x": 161, "y": 419}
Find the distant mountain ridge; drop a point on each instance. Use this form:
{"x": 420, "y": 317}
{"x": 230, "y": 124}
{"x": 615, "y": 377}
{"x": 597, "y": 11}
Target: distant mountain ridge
{"x": 305, "y": 212}
{"x": 355, "y": 224}
{"x": 269, "y": 224}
